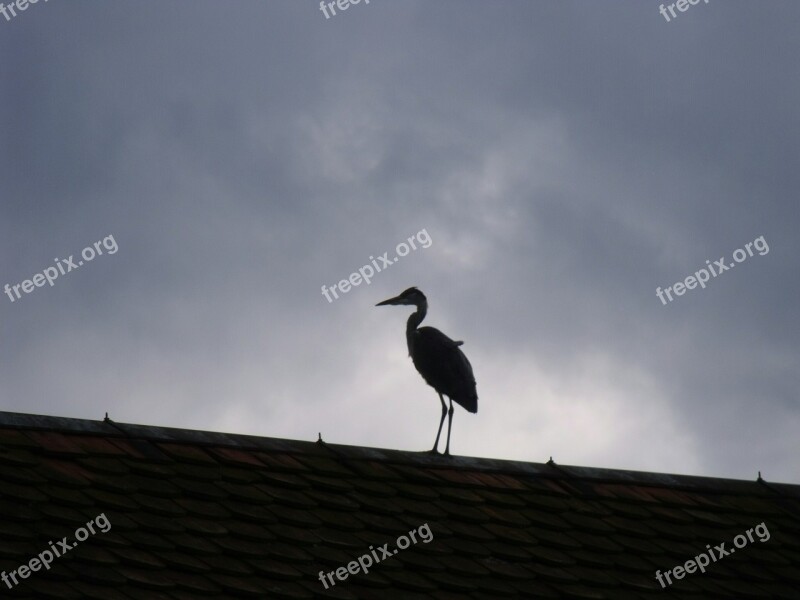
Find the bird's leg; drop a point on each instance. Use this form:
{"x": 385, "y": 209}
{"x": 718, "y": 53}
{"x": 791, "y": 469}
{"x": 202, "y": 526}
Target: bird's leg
{"x": 449, "y": 427}
{"x": 438, "y": 433}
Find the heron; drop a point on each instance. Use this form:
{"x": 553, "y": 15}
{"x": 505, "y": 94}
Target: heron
{"x": 439, "y": 360}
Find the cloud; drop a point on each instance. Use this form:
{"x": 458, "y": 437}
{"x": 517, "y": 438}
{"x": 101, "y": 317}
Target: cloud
{"x": 566, "y": 162}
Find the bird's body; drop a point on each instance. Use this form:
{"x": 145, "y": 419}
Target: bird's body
{"x": 443, "y": 366}
{"x": 439, "y": 360}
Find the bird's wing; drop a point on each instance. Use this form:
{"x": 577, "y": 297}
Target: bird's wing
{"x": 444, "y": 366}
{"x": 435, "y": 337}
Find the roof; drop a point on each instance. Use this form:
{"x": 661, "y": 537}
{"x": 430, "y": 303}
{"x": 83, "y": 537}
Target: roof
{"x": 194, "y": 514}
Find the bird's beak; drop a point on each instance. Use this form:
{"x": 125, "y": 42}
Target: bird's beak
{"x": 393, "y": 301}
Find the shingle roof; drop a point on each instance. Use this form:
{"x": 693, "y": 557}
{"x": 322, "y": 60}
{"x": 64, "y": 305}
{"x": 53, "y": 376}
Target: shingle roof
{"x": 196, "y": 514}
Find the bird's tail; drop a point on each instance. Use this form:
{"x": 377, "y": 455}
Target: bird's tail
{"x": 468, "y": 400}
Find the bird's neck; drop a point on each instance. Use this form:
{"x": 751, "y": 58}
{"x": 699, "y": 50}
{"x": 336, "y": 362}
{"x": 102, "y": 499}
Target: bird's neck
{"x": 413, "y": 322}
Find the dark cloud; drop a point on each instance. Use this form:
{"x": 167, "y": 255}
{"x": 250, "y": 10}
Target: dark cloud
{"x": 565, "y": 158}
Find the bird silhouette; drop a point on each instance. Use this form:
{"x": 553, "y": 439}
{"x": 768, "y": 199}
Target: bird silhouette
{"x": 439, "y": 360}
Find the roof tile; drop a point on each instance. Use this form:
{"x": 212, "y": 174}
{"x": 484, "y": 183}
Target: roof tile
{"x": 143, "y": 539}
{"x": 187, "y": 452}
{"x": 236, "y": 457}
{"x": 55, "y": 443}
{"x": 138, "y": 558}
{"x": 272, "y": 568}
{"x": 203, "y": 508}
{"x": 104, "y": 464}
{"x": 509, "y": 551}
{"x": 280, "y": 462}
{"x": 551, "y": 556}
{"x": 205, "y": 527}
{"x": 182, "y": 561}
{"x": 254, "y": 587}
{"x": 13, "y": 438}
{"x": 233, "y": 563}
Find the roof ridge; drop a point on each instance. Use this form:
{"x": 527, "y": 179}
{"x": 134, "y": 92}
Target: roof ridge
{"x": 348, "y": 453}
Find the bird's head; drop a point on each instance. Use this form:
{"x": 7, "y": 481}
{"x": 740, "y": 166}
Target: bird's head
{"x": 412, "y": 296}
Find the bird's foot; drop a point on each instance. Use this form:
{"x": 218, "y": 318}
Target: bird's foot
{"x": 432, "y": 451}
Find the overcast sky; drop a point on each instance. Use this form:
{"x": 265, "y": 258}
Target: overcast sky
{"x": 564, "y": 160}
